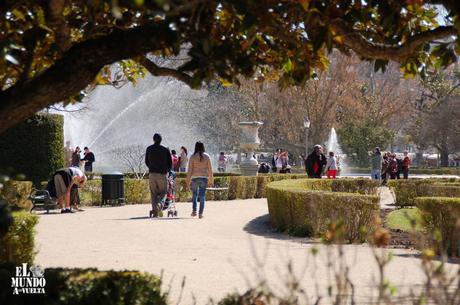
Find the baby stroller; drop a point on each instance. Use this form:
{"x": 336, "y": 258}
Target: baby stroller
{"x": 168, "y": 203}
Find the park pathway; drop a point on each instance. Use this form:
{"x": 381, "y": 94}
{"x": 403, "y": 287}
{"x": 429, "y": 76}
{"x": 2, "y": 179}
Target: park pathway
{"x": 232, "y": 248}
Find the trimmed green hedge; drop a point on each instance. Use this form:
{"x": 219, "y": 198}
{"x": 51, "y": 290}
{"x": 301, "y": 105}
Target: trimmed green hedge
{"x": 406, "y": 190}
{"x": 18, "y": 246}
{"x": 34, "y": 148}
{"x": 312, "y": 204}
{"x": 441, "y": 219}
{"x": 239, "y": 187}
{"x": 412, "y": 170}
{"x": 17, "y": 193}
{"x": 87, "y": 287}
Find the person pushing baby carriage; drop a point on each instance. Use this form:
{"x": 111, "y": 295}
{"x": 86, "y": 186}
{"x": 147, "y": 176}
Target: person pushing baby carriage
{"x": 159, "y": 162}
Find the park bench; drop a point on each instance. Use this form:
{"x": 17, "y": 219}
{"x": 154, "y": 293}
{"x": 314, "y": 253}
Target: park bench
{"x": 42, "y": 200}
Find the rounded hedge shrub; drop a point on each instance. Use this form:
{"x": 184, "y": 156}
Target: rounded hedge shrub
{"x": 441, "y": 220}
{"x": 239, "y": 187}
{"x": 17, "y": 193}
{"x": 34, "y": 147}
{"x": 310, "y": 205}
{"x": 18, "y": 245}
{"x": 87, "y": 287}
{"x": 406, "y": 190}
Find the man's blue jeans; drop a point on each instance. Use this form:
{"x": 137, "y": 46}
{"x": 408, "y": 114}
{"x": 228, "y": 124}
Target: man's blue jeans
{"x": 199, "y": 189}
{"x": 376, "y": 174}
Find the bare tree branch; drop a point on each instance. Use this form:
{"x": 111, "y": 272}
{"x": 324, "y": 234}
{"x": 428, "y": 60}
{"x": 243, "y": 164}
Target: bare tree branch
{"x": 161, "y": 71}
{"x": 401, "y": 53}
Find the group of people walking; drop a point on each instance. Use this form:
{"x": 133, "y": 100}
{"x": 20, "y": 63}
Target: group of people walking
{"x": 388, "y": 166}
{"x": 160, "y": 161}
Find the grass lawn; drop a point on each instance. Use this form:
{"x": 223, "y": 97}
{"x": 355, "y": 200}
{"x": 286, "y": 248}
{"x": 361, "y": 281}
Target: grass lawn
{"x": 403, "y": 218}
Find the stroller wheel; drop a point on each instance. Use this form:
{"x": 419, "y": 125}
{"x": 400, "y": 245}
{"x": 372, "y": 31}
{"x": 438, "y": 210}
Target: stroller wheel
{"x": 175, "y": 213}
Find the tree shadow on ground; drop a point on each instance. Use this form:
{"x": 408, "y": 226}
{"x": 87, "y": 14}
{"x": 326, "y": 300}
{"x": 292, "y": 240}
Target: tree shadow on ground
{"x": 450, "y": 260}
{"x": 260, "y": 226}
{"x": 152, "y": 219}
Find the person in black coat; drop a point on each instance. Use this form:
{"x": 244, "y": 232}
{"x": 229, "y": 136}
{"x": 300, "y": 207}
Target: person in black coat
{"x": 315, "y": 162}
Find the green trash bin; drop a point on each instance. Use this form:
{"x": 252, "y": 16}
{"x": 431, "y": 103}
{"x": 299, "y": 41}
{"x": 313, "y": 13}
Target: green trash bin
{"x": 113, "y": 192}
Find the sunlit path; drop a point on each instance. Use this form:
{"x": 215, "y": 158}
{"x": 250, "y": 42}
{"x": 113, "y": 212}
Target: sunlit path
{"x": 212, "y": 253}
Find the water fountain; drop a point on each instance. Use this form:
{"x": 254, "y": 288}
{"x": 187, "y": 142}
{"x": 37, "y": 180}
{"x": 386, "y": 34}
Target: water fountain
{"x": 249, "y": 142}
{"x": 332, "y": 144}
{"x": 129, "y": 116}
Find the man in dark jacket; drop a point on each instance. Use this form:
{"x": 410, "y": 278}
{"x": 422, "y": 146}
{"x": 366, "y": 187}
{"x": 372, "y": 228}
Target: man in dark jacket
{"x": 158, "y": 160}
{"x": 315, "y": 162}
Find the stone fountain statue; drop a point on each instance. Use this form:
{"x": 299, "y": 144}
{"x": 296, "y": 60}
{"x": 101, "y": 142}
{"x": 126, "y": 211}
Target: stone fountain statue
{"x": 249, "y": 142}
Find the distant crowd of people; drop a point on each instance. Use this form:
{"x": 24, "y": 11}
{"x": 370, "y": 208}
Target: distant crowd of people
{"x": 161, "y": 162}
{"x": 387, "y": 165}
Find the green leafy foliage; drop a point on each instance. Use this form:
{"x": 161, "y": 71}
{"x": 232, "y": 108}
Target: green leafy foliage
{"x": 359, "y": 139}
{"x": 440, "y": 217}
{"x": 16, "y": 194}
{"x": 18, "y": 245}
{"x": 223, "y": 39}
{"x": 34, "y": 148}
{"x": 406, "y": 191}
{"x": 87, "y": 287}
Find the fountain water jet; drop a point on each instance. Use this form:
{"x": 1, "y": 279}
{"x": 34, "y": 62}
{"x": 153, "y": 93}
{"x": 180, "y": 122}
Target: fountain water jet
{"x": 129, "y": 116}
{"x": 332, "y": 144}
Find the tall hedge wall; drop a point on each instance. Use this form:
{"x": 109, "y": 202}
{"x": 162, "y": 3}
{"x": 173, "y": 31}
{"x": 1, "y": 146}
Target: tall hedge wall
{"x": 33, "y": 148}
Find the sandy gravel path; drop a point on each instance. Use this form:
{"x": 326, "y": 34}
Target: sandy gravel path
{"x": 216, "y": 255}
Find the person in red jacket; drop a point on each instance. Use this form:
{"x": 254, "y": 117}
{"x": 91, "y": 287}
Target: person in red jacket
{"x": 175, "y": 161}
{"x": 405, "y": 165}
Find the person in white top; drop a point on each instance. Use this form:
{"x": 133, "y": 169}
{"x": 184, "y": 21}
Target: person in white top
{"x": 331, "y": 166}
{"x": 66, "y": 181}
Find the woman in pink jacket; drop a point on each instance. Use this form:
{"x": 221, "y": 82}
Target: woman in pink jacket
{"x": 199, "y": 176}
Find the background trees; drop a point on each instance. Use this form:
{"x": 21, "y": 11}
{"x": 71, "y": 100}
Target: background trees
{"x": 436, "y": 114}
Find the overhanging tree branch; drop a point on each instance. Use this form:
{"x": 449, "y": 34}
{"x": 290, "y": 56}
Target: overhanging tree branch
{"x": 156, "y": 70}
{"x": 77, "y": 68}
{"x": 401, "y": 53}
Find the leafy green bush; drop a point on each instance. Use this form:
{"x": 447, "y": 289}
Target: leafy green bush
{"x": 87, "y": 287}
{"x": 406, "y": 190}
{"x": 18, "y": 245}
{"x": 294, "y": 203}
{"x": 441, "y": 219}
{"x": 239, "y": 187}
{"x": 34, "y": 148}
{"x": 91, "y": 193}
{"x": 16, "y": 194}
{"x": 137, "y": 191}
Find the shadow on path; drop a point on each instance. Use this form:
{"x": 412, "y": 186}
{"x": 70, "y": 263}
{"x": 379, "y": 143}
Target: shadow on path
{"x": 450, "y": 260}
{"x": 260, "y": 226}
{"x": 153, "y": 219}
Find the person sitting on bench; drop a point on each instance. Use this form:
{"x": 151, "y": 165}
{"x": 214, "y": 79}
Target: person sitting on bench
{"x": 67, "y": 180}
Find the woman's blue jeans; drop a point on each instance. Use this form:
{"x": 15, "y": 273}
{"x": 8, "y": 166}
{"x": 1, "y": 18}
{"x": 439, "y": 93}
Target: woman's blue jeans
{"x": 199, "y": 189}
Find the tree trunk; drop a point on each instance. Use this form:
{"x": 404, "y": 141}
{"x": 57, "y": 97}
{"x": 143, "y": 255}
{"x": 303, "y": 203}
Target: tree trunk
{"x": 444, "y": 157}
